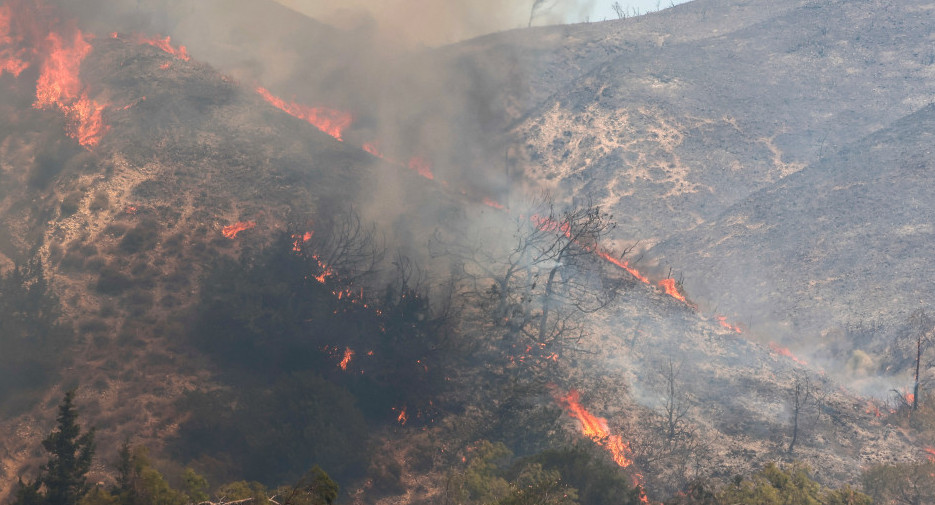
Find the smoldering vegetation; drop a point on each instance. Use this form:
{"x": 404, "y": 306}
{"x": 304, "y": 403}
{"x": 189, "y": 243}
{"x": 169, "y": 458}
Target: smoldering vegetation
{"x": 269, "y": 298}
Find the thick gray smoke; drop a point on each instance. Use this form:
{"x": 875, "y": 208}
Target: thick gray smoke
{"x": 382, "y": 61}
{"x": 397, "y": 66}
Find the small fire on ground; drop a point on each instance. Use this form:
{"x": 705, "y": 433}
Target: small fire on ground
{"x": 231, "y": 231}
{"x": 596, "y": 429}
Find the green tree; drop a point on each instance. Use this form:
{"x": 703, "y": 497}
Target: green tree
{"x": 774, "y": 486}
{"x": 314, "y": 488}
{"x": 138, "y": 483}
{"x": 27, "y": 493}
{"x": 846, "y": 496}
{"x": 904, "y": 484}
{"x": 535, "y": 486}
{"x": 65, "y": 473}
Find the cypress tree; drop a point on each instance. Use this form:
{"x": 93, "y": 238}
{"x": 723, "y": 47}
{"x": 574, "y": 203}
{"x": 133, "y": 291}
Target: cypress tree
{"x": 70, "y": 453}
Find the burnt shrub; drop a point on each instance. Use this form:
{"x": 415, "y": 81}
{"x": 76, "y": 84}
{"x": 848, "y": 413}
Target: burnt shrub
{"x": 316, "y": 422}
{"x": 71, "y": 203}
{"x": 53, "y": 154}
{"x": 31, "y": 338}
{"x": 100, "y": 201}
{"x": 141, "y": 237}
{"x": 112, "y": 281}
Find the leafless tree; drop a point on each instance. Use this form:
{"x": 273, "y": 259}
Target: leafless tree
{"x": 675, "y": 408}
{"x": 802, "y": 397}
{"x": 342, "y": 244}
{"x": 620, "y": 10}
{"x": 924, "y": 336}
{"x": 538, "y": 282}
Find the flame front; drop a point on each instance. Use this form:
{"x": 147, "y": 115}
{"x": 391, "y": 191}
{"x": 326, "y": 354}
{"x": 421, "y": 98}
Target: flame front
{"x": 402, "y": 417}
{"x": 422, "y": 167}
{"x": 11, "y": 57}
{"x": 624, "y": 265}
{"x": 166, "y": 45}
{"x": 59, "y": 86}
{"x": 348, "y": 355}
{"x": 778, "y": 349}
{"x": 722, "y": 320}
{"x": 595, "y": 428}
{"x": 671, "y": 289}
{"x": 232, "y": 230}
{"x": 331, "y": 121}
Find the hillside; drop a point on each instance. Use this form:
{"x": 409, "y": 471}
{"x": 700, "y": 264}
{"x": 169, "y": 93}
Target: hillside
{"x": 844, "y": 241}
{"x": 253, "y": 258}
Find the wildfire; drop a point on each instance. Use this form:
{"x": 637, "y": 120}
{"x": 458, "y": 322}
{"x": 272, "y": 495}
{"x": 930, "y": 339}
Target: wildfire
{"x": 326, "y": 271}
{"x": 232, "y": 230}
{"x": 331, "y": 121}
{"x": 493, "y": 203}
{"x": 166, "y": 45}
{"x": 301, "y": 239}
{"x": 670, "y": 288}
{"x": 595, "y": 428}
{"x": 778, "y": 349}
{"x": 11, "y": 60}
{"x": 624, "y": 265}
{"x": 873, "y": 409}
{"x": 931, "y": 454}
{"x": 59, "y": 86}
{"x": 371, "y": 147}
{"x": 348, "y": 354}
{"x": 402, "y": 417}
{"x": 722, "y": 320}
{"x": 422, "y": 167}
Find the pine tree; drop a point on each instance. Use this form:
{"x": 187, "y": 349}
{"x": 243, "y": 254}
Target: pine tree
{"x": 65, "y": 473}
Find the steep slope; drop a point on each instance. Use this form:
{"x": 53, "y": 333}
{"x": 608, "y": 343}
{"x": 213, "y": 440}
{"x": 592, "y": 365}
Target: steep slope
{"x": 844, "y": 241}
{"x": 670, "y": 132}
{"x": 127, "y": 228}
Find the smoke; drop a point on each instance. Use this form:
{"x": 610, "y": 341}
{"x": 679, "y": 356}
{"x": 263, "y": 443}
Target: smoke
{"x": 436, "y": 22}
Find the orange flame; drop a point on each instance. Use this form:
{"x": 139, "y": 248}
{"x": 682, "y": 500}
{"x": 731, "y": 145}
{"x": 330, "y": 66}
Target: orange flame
{"x": 10, "y": 58}
{"x": 301, "y": 239}
{"x": 625, "y": 265}
{"x": 166, "y": 45}
{"x": 331, "y": 121}
{"x": 371, "y": 147}
{"x": 232, "y": 230}
{"x": 402, "y": 417}
{"x": 422, "y": 167}
{"x": 668, "y": 285}
{"x": 348, "y": 354}
{"x": 493, "y": 203}
{"x": 931, "y": 454}
{"x": 59, "y": 86}
{"x": 722, "y": 320}
{"x": 326, "y": 270}
{"x": 873, "y": 409}
{"x": 595, "y": 428}
{"x": 778, "y": 349}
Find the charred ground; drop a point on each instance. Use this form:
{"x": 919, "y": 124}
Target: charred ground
{"x": 686, "y": 123}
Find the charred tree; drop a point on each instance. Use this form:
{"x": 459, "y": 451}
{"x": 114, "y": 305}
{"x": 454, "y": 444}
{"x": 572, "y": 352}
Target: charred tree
{"x": 537, "y": 282}
{"x": 913, "y": 347}
{"x": 925, "y": 327}
{"x": 674, "y": 407}
{"x": 802, "y": 396}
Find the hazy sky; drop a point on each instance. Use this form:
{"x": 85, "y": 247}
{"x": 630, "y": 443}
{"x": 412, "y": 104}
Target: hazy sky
{"x": 438, "y": 22}
{"x": 602, "y": 9}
